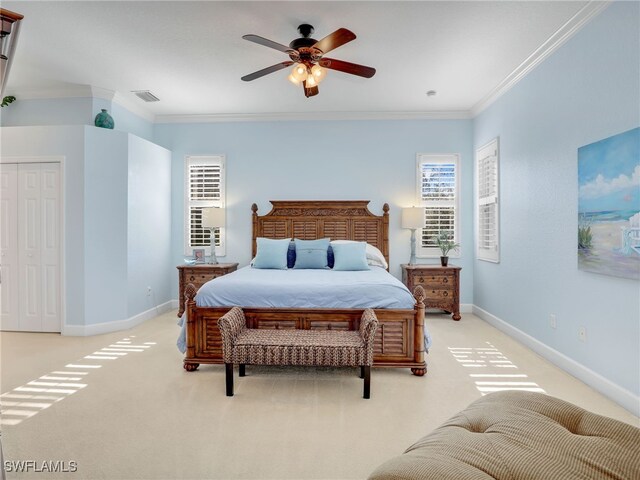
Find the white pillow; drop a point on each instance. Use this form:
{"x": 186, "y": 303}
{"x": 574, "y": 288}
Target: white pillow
{"x": 374, "y": 255}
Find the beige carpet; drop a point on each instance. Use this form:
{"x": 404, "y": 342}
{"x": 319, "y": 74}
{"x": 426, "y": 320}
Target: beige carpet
{"x": 141, "y": 416}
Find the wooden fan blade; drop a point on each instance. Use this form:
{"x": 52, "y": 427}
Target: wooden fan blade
{"x": 346, "y": 67}
{"x": 310, "y": 91}
{"x": 334, "y": 40}
{"x": 268, "y": 43}
{"x": 266, "y": 71}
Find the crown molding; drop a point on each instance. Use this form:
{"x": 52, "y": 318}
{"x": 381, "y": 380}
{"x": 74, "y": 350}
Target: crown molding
{"x": 555, "y": 41}
{"x": 312, "y": 116}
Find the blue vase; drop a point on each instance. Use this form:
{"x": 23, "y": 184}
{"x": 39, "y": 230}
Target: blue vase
{"x": 104, "y": 120}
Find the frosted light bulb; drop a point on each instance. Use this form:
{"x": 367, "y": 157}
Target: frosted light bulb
{"x": 292, "y": 79}
{"x": 299, "y": 72}
{"x": 318, "y": 73}
{"x": 311, "y": 81}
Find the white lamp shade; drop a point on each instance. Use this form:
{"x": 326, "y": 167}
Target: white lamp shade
{"x": 213, "y": 217}
{"x": 413, "y": 217}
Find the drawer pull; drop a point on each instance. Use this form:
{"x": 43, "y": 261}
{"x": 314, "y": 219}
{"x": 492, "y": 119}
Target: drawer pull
{"x": 192, "y": 278}
{"x": 421, "y": 280}
{"x": 445, "y": 294}
{"x": 445, "y": 280}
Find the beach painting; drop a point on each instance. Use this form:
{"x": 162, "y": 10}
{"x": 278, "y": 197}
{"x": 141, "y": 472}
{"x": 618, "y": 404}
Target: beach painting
{"x": 609, "y": 206}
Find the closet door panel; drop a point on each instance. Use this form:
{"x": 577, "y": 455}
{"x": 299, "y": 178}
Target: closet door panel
{"x": 50, "y": 247}
{"x": 9, "y": 247}
{"x": 29, "y": 244}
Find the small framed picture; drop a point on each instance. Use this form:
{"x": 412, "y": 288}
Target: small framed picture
{"x": 198, "y": 255}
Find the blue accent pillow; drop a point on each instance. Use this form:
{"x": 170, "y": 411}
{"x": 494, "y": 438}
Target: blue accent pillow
{"x": 311, "y": 253}
{"x": 291, "y": 254}
{"x": 271, "y": 253}
{"x": 350, "y": 256}
{"x": 330, "y": 258}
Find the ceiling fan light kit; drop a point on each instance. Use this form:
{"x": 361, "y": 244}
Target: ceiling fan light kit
{"x": 307, "y": 57}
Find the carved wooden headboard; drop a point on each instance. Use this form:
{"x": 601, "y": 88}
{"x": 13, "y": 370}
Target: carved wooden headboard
{"x": 311, "y": 219}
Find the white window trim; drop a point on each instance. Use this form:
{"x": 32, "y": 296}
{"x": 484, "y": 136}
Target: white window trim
{"x": 490, "y": 149}
{"x": 434, "y": 252}
{"x": 212, "y": 159}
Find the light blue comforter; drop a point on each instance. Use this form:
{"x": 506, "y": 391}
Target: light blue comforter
{"x": 301, "y": 288}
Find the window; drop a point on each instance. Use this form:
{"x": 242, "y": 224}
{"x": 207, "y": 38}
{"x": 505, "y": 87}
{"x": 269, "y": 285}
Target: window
{"x": 487, "y": 239}
{"x": 439, "y": 193}
{"x": 204, "y": 187}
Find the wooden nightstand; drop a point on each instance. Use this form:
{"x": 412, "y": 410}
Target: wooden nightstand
{"x": 441, "y": 285}
{"x": 199, "y": 274}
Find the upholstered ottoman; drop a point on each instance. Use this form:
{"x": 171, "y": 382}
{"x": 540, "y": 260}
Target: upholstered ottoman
{"x": 519, "y": 435}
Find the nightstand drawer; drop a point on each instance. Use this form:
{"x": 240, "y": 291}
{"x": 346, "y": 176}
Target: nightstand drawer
{"x": 443, "y": 280}
{"x": 200, "y": 279}
{"x": 437, "y": 295}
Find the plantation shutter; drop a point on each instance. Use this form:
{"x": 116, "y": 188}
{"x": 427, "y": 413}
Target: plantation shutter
{"x": 438, "y": 180}
{"x": 487, "y": 240}
{"x": 205, "y": 188}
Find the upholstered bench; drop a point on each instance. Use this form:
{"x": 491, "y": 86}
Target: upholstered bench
{"x": 331, "y": 348}
{"x": 519, "y": 435}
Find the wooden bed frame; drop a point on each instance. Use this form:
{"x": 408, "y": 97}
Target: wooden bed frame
{"x": 399, "y": 340}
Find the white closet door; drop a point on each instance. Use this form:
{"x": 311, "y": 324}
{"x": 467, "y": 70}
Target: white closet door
{"x": 9, "y": 247}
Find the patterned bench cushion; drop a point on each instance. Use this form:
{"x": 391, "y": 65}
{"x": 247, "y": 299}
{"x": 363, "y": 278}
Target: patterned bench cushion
{"x": 300, "y": 347}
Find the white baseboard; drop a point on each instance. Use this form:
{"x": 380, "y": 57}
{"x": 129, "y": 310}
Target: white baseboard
{"x": 116, "y": 325}
{"x": 466, "y": 308}
{"x": 621, "y": 396}
{"x": 175, "y": 304}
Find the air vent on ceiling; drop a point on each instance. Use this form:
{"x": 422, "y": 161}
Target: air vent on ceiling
{"x": 146, "y": 95}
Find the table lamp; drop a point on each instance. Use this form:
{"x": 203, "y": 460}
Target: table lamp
{"x": 413, "y": 218}
{"x": 213, "y": 218}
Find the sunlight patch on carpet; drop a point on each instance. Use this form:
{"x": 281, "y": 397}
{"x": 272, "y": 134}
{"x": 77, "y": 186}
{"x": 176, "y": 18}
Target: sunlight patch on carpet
{"x": 27, "y": 400}
{"x": 489, "y": 360}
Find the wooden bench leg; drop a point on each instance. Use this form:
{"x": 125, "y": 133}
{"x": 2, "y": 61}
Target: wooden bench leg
{"x": 367, "y": 381}
{"x": 361, "y": 371}
{"x": 229, "y": 378}
{"x": 241, "y": 368}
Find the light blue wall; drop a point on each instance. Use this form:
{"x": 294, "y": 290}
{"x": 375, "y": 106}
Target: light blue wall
{"x": 69, "y": 143}
{"x": 149, "y": 226}
{"x": 117, "y": 222}
{"x": 363, "y": 160}
{"x": 105, "y": 225}
{"x": 127, "y": 121}
{"x": 586, "y": 91}
{"x": 48, "y": 111}
{"x": 73, "y": 111}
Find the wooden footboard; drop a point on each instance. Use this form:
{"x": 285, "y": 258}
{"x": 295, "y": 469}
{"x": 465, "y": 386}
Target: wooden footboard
{"x": 399, "y": 340}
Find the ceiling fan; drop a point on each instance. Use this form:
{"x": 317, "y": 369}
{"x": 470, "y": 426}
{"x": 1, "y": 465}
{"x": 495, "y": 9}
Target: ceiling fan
{"x": 307, "y": 54}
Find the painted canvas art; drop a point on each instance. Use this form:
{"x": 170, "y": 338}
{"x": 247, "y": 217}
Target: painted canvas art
{"x": 609, "y": 206}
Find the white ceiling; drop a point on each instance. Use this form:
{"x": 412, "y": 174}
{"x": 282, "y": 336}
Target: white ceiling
{"x": 192, "y": 55}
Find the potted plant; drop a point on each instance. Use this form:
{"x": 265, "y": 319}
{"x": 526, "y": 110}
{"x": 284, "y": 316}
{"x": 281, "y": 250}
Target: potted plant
{"x": 7, "y": 100}
{"x": 445, "y": 243}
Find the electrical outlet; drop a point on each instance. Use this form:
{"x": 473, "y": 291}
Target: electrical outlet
{"x": 148, "y": 291}
{"x": 582, "y": 334}
{"x": 553, "y": 322}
